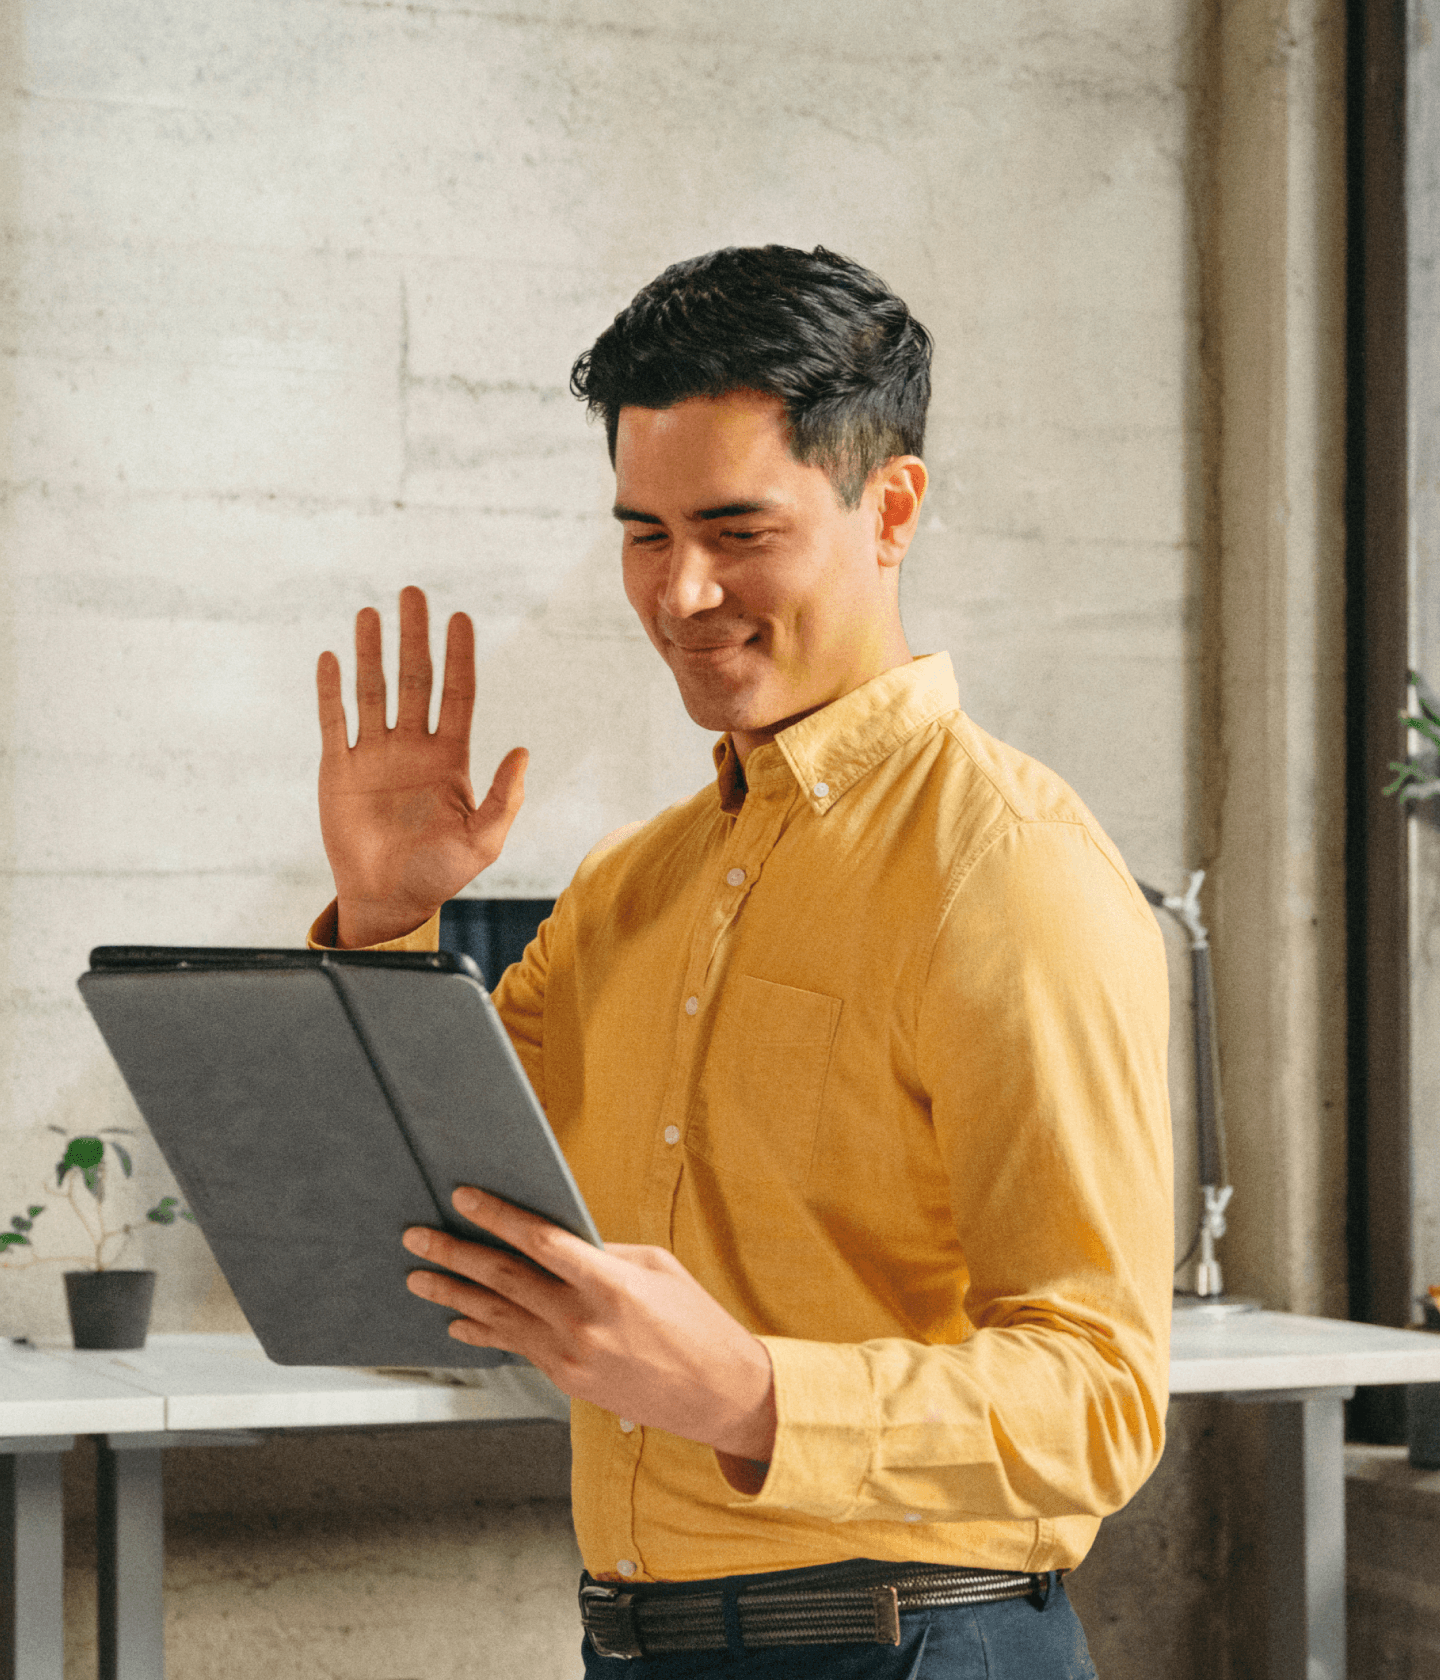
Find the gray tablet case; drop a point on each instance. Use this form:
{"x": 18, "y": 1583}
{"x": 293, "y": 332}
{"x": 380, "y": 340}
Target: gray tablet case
{"x": 311, "y": 1105}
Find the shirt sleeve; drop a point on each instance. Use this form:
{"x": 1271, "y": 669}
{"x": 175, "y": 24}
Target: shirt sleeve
{"x": 424, "y": 938}
{"x": 1041, "y": 1039}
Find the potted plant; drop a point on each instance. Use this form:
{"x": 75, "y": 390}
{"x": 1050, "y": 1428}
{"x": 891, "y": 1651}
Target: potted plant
{"x": 1417, "y": 779}
{"x": 109, "y": 1306}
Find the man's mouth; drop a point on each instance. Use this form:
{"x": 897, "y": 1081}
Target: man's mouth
{"x": 711, "y": 644}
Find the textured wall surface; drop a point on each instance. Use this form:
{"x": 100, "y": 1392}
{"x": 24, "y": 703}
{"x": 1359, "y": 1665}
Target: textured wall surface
{"x": 289, "y": 292}
{"x": 422, "y": 1554}
{"x": 1392, "y": 1515}
{"x": 1422, "y": 115}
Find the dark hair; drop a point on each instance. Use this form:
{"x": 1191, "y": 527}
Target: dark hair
{"x": 830, "y": 339}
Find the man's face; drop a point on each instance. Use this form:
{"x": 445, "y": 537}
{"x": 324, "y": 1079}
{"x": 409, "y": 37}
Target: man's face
{"x": 765, "y": 596}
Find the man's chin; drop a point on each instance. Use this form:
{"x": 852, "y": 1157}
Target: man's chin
{"x": 723, "y": 713}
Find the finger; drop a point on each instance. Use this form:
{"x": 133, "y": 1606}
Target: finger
{"x": 369, "y": 676}
{"x": 489, "y": 1320}
{"x": 491, "y": 821}
{"x": 567, "y": 1257}
{"x": 503, "y": 1276}
{"x": 493, "y": 1268}
{"x": 416, "y": 673}
{"x": 334, "y": 736}
{"x": 457, "y": 697}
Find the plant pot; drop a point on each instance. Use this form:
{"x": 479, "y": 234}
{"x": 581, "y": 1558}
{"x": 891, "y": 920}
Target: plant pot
{"x": 109, "y": 1309}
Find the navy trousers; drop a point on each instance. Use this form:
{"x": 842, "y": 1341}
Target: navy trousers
{"x": 1011, "y": 1640}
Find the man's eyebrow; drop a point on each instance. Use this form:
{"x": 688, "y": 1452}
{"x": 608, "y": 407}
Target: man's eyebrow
{"x": 731, "y": 510}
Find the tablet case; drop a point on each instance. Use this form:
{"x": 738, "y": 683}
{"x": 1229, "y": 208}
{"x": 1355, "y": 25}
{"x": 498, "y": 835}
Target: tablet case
{"x": 311, "y": 1105}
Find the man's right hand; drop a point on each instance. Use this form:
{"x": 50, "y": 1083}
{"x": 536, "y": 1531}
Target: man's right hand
{"x": 398, "y": 815}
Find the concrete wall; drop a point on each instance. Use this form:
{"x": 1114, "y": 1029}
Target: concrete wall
{"x": 1422, "y": 115}
{"x": 293, "y": 295}
{"x": 1392, "y": 1515}
{"x": 291, "y": 290}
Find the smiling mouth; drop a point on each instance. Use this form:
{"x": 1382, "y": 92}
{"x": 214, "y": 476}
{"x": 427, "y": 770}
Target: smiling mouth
{"x": 727, "y": 646}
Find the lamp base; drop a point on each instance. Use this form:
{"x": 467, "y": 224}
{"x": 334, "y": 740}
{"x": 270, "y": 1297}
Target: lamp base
{"x": 1213, "y": 1306}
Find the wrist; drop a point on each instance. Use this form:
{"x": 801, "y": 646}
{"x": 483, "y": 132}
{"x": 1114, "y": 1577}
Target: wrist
{"x": 749, "y": 1436}
{"x": 360, "y": 925}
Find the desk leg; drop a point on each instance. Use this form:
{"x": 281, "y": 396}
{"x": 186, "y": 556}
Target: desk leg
{"x": 32, "y": 1601}
{"x": 130, "y": 1522}
{"x": 1306, "y": 1470}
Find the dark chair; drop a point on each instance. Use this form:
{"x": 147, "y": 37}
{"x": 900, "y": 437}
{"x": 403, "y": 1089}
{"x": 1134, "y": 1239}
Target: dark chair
{"x": 493, "y": 931}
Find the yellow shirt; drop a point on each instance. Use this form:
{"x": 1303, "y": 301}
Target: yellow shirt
{"x": 873, "y": 1037}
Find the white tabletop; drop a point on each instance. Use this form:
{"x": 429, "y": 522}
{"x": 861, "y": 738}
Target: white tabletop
{"x": 1268, "y": 1351}
{"x": 205, "y": 1382}
{"x": 209, "y": 1382}
{"x": 42, "y": 1395}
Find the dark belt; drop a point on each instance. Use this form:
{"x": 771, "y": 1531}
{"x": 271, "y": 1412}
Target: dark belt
{"x": 858, "y": 1603}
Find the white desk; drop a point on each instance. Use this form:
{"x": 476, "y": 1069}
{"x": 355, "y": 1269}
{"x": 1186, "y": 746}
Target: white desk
{"x": 177, "y": 1391}
{"x": 44, "y": 1404}
{"x": 1303, "y": 1370}
{"x": 195, "y": 1389}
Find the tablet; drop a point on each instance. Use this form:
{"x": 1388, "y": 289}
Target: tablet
{"x": 311, "y": 1105}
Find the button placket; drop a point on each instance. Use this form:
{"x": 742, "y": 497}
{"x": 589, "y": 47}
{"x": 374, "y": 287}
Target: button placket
{"x": 750, "y": 839}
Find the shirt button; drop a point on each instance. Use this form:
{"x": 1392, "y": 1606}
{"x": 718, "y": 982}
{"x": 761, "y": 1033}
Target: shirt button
{"x": 821, "y": 789}
{"x": 626, "y": 1568}
{"x": 736, "y": 877}
{"x": 672, "y": 1134}
{"x": 626, "y": 1425}
{"x": 691, "y": 1005}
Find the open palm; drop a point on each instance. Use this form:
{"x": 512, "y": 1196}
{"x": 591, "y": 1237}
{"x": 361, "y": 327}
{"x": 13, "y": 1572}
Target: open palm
{"x": 398, "y": 815}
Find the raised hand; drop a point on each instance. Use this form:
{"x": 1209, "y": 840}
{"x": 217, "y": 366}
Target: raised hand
{"x": 398, "y": 816}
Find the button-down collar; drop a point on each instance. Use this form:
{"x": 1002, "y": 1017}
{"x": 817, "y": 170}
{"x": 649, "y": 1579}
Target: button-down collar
{"x": 827, "y": 752}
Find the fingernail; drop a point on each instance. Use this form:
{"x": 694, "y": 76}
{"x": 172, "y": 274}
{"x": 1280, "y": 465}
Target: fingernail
{"x": 417, "y": 1241}
{"x": 466, "y": 1199}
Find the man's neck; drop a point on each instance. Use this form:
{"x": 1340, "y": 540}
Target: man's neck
{"x": 745, "y": 741}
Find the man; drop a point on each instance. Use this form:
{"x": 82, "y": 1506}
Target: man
{"x": 858, "y": 1055}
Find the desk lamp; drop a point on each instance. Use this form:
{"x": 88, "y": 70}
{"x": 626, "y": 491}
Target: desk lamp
{"x": 1215, "y": 1192}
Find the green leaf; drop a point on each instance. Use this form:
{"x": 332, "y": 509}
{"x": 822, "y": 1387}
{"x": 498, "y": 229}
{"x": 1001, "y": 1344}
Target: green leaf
{"x": 1422, "y": 726}
{"x": 127, "y": 1166}
{"x": 38, "y": 1208}
{"x": 83, "y": 1152}
{"x": 160, "y": 1216}
{"x": 93, "y": 1181}
{"x": 19, "y": 1224}
{"x": 7, "y": 1238}
{"x": 1429, "y": 703}
{"x": 185, "y": 1213}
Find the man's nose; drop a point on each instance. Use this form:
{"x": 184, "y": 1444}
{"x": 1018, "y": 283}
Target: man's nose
{"x": 691, "y": 586}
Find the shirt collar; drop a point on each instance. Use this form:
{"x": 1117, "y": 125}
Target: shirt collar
{"x": 828, "y": 752}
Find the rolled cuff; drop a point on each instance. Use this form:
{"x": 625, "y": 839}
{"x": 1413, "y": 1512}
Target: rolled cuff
{"x": 825, "y": 1429}
{"x": 424, "y": 938}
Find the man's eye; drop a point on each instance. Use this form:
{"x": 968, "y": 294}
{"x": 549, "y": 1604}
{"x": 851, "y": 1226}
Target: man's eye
{"x": 744, "y": 536}
{"x": 642, "y": 537}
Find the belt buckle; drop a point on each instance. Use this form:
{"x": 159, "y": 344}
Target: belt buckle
{"x": 614, "y": 1612}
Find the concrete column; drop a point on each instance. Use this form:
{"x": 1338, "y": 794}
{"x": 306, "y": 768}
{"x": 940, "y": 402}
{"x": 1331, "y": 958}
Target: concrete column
{"x": 1422, "y": 206}
{"x": 1275, "y": 640}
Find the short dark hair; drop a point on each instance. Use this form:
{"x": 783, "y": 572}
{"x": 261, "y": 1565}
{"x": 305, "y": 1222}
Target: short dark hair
{"x": 829, "y": 338}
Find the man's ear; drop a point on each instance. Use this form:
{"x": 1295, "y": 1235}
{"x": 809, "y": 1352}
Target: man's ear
{"x": 901, "y": 490}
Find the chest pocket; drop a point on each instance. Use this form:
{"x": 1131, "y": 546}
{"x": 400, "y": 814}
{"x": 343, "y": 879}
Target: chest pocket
{"x": 758, "y": 1106}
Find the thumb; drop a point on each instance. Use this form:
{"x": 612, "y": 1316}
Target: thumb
{"x": 490, "y": 822}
